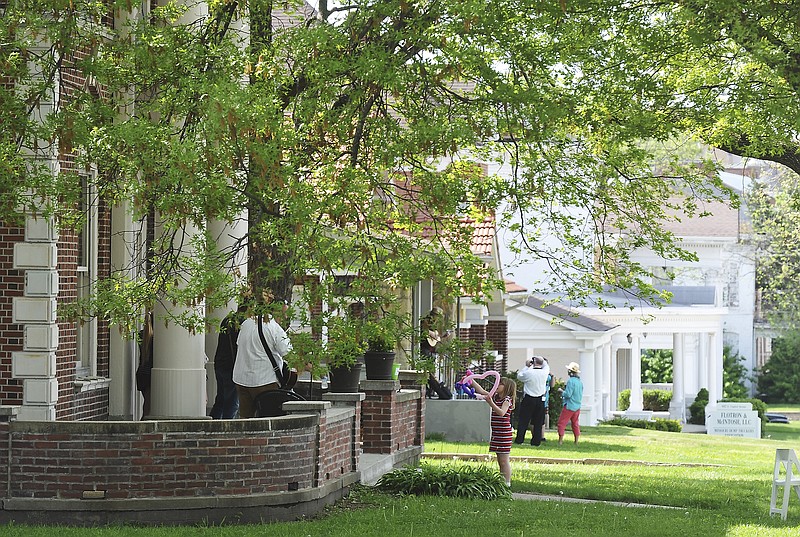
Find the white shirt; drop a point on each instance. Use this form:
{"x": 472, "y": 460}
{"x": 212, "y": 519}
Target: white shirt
{"x": 253, "y": 367}
{"x": 534, "y": 379}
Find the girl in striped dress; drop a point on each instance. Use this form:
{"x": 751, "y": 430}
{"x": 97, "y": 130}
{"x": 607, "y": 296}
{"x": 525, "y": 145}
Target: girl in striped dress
{"x": 502, "y": 403}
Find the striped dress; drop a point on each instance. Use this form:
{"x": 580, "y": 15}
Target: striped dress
{"x": 501, "y": 430}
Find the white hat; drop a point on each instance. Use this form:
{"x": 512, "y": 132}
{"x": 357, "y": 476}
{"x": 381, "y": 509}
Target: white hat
{"x": 574, "y": 367}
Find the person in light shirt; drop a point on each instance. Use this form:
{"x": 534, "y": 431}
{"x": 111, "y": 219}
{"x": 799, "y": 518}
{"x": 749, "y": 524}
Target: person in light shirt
{"x": 572, "y": 396}
{"x": 253, "y": 372}
{"x": 531, "y": 408}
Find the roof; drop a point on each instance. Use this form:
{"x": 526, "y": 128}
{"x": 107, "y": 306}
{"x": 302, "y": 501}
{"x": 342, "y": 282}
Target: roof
{"x": 483, "y": 234}
{"x": 514, "y": 287}
{"x": 560, "y": 312}
{"x": 721, "y": 220}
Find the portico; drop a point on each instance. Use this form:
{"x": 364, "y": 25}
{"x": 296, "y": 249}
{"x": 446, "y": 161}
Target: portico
{"x": 608, "y": 345}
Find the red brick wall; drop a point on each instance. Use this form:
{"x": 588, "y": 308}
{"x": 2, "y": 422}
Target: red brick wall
{"x": 391, "y": 421}
{"x": 12, "y": 284}
{"x": 61, "y": 460}
{"x": 66, "y": 355}
{"x": 497, "y": 333}
{"x": 103, "y": 271}
{"x": 340, "y": 446}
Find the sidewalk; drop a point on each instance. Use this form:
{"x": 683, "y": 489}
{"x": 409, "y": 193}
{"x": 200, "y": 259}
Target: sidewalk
{"x": 551, "y": 498}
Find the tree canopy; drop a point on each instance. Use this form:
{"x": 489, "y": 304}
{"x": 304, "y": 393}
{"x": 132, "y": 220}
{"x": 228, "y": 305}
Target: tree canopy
{"x": 348, "y": 135}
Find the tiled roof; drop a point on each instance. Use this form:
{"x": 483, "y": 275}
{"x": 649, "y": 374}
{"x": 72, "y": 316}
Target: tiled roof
{"x": 514, "y": 287}
{"x": 483, "y": 233}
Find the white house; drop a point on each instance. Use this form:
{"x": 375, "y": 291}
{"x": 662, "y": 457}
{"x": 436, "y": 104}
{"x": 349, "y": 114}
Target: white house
{"x": 713, "y": 306}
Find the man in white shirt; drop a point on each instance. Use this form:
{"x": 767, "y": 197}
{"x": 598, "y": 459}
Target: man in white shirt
{"x": 531, "y": 409}
{"x": 253, "y": 372}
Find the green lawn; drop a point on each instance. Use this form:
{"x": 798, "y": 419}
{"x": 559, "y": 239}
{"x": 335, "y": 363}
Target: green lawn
{"x": 785, "y": 407}
{"x": 715, "y": 486}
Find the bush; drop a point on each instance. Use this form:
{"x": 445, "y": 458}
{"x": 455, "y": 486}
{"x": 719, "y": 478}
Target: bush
{"x": 658, "y": 424}
{"x": 655, "y": 400}
{"x": 460, "y": 481}
{"x": 556, "y": 402}
{"x": 698, "y": 408}
{"x": 733, "y": 374}
{"x": 656, "y": 365}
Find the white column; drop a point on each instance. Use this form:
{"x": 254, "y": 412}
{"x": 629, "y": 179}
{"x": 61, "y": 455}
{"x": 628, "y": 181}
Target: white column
{"x": 677, "y": 406}
{"x": 178, "y": 388}
{"x": 702, "y": 360}
{"x": 690, "y": 354}
{"x": 613, "y": 372}
{"x": 589, "y": 379}
{"x": 227, "y": 235}
{"x": 637, "y": 404}
{"x": 124, "y": 399}
{"x": 606, "y": 381}
{"x": 598, "y": 383}
{"x": 715, "y": 368}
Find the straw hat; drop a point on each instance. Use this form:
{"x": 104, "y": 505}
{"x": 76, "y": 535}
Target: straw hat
{"x": 574, "y": 367}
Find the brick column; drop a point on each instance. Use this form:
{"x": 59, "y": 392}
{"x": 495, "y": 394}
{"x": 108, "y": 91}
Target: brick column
{"x": 378, "y": 421}
{"x": 497, "y": 334}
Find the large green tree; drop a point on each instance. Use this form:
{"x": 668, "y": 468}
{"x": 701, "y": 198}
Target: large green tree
{"x": 779, "y": 379}
{"x": 350, "y": 135}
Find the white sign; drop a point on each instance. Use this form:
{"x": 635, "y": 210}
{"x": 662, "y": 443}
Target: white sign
{"x": 733, "y": 419}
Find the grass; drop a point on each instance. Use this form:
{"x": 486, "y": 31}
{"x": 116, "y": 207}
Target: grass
{"x": 784, "y": 407}
{"x": 715, "y": 486}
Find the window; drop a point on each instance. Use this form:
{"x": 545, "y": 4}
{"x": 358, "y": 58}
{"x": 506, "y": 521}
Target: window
{"x": 86, "y": 331}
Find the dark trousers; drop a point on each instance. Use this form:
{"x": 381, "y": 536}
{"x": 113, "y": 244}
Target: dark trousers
{"x": 247, "y": 398}
{"x": 226, "y": 403}
{"x": 531, "y": 412}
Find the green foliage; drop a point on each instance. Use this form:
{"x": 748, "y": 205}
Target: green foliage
{"x": 733, "y": 374}
{"x": 698, "y": 408}
{"x": 656, "y": 366}
{"x": 779, "y": 378}
{"x": 658, "y": 424}
{"x": 655, "y": 400}
{"x": 346, "y": 140}
{"x": 556, "y": 402}
{"x": 775, "y": 213}
{"x": 461, "y": 481}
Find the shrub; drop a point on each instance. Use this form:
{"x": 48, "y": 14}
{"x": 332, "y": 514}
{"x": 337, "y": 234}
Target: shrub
{"x": 655, "y": 400}
{"x": 460, "y": 481}
{"x": 733, "y": 374}
{"x": 556, "y": 402}
{"x": 698, "y": 408}
{"x": 658, "y": 424}
{"x": 624, "y": 400}
{"x": 656, "y": 365}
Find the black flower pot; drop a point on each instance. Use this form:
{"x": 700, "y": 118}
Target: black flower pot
{"x": 344, "y": 379}
{"x": 379, "y": 365}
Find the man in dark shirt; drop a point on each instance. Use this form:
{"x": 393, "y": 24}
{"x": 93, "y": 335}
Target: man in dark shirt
{"x": 226, "y": 403}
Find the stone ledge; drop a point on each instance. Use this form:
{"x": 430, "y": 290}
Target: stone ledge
{"x": 209, "y": 510}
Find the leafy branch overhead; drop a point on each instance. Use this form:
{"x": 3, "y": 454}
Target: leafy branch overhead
{"x": 348, "y": 137}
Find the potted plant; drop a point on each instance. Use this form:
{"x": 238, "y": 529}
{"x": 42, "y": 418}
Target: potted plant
{"x": 343, "y": 351}
{"x": 379, "y": 356}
